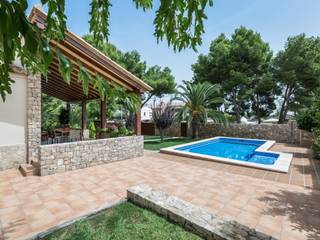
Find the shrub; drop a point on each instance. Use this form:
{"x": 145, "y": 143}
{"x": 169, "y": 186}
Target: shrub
{"x": 316, "y": 150}
{"x": 64, "y": 117}
{"x": 92, "y": 130}
{"x": 307, "y": 120}
{"x": 163, "y": 118}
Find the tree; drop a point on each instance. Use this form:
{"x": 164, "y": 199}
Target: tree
{"x": 161, "y": 80}
{"x": 50, "y": 111}
{"x": 133, "y": 63}
{"x": 180, "y": 22}
{"x": 238, "y": 65}
{"x": 263, "y": 97}
{"x": 198, "y": 99}
{"x": 163, "y": 118}
{"x": 297, "y": 71}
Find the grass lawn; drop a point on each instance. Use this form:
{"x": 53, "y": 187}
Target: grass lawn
{"x": 156, "y": 145}
{"x": 125, "y": 221}
{"x": 147, "y": 137}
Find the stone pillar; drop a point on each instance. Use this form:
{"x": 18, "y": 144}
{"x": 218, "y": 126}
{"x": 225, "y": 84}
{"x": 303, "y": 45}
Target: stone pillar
{"x": 33, "y": 117}
{"x": 137, "y": 119}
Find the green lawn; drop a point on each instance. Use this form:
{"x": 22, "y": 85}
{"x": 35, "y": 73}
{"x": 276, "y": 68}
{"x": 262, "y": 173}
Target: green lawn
{"x": 147, "y": 137}
{"x": 125, "y": 221}
{"x": 156, "y": 145}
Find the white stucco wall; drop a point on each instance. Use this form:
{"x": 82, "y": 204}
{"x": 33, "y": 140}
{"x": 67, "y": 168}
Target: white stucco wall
{"x": 13, "y": 113}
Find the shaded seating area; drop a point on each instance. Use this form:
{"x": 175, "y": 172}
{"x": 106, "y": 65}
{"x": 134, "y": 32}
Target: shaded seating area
{"x": 60, "y": 135}
{"x": 82, "y": 54}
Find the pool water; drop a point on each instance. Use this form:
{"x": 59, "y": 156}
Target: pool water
{"x": 233, "y": 148}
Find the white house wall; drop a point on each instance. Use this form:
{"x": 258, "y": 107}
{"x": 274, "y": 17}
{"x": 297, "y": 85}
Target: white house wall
{"x": 13, "y": 113}
{"x": 13, "y": 124}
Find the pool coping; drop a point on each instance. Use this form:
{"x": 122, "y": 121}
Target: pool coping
{"x": 282, "y": 164}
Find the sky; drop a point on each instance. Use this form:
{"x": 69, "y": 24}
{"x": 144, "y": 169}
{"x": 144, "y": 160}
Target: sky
{"x": 132, "y": 29}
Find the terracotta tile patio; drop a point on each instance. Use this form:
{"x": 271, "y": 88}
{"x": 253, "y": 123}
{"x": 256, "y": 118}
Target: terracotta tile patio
{"x": 287, "y": 206}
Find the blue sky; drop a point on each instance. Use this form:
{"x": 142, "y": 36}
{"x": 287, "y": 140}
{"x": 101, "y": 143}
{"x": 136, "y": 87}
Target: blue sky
{"x": 133, "y": 29}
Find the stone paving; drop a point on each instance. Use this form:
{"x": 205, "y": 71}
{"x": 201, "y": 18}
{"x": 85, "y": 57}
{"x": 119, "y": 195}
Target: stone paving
{"x": 286, "y": 206}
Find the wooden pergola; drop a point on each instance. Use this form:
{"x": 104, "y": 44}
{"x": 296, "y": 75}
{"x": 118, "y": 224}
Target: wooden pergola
{"x": 96, "y": 63}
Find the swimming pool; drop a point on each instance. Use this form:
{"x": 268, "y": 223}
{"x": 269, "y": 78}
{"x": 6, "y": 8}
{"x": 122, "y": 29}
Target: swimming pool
{"x": 249, "y": 152}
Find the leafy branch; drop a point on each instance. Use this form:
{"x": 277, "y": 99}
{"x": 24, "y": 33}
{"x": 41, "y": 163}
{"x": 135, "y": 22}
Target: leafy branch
{"x": 178, "y": 21}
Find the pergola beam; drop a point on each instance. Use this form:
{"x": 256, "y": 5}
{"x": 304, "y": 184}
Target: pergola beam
{"x": 103, "y": 115}
{"x": 137, "y": 120}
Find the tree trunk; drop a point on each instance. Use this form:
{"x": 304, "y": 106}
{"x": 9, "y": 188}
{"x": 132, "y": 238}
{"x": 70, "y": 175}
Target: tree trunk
{"x": 195, "y": 129}
{"x": 236, "y": 107}
{"x": 258, "y": 112}
{"x": 130, "y": 121}
{"x": 161, "y": 135}
{"x": 284, "y": 106}
{"x": 147, "y": 99}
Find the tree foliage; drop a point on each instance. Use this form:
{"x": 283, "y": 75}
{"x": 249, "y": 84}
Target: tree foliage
{"x": 239, "y": 65}
{"x": 160, "y": 79}
{"x": 198, "y": 99}
{"x": 297, "y": 71}
{"x": 50, "y": 110}
{"x": 180, "y": 22}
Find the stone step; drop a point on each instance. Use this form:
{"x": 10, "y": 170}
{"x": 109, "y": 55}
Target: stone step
{"x": 28, "y": 170}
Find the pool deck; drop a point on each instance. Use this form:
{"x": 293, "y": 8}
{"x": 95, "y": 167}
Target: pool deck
{"x": 286, "y": 206}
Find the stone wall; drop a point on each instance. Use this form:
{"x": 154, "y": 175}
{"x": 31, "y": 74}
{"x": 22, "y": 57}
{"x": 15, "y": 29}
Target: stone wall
{"x": 193, "y": 218}
{"x": 64, "y": 157}
{"x": 283, "y": 133}
{"x": 12, "y": 156}
{"x": 33, "y": 117}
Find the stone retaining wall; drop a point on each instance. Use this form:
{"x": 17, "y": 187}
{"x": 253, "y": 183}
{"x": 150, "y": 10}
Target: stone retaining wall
{"x": 64, "y": 157}
{"x": 283, "y": 133}
{"x": 193, "y": 218}
{"x": 12, "y": 156}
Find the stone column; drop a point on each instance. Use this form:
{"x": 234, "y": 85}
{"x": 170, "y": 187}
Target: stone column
{"x": 137, "y": 119}
{"x": 33, "y": 117}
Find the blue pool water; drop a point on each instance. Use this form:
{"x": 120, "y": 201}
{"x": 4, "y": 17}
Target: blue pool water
{"x": 233, "y": 148}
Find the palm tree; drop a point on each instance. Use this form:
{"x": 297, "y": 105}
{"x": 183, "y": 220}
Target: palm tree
{"x": 198, "y": 99}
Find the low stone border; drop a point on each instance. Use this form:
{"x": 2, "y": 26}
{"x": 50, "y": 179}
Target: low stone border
{"x": 192, "y": 218}
{"x": 58, "y": 227}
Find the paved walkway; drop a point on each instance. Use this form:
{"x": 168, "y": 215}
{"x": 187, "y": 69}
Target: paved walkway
{"x": 284, "y": 210}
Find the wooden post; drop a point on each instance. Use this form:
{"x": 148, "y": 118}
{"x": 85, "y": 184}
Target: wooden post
{"x": 103, "y": 118}
{"x": 137, "y": 122}
{"x": 84, "y": 118}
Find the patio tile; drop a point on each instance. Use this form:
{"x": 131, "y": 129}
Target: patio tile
{"x": 249, "y": 219}
{"x": 275, "y": 203}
